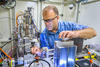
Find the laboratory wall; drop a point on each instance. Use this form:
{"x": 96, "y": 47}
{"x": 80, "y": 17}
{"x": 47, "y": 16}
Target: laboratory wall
{"x": 90, "y": 15}
{"x": 5, "y": 27}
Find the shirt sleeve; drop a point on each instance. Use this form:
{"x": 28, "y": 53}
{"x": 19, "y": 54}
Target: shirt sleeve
{"x": 73, "y": 26}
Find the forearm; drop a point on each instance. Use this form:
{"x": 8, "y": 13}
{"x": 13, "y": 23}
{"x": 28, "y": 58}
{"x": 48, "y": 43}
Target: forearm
{"x": 86, "y": 33}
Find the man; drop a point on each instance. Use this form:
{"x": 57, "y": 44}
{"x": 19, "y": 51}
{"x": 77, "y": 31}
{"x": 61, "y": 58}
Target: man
{"x": 57, "y": 30}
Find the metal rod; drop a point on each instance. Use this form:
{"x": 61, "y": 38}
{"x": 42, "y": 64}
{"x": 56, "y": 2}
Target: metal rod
{"x": 77, "y": 16}
{"x": 40, "y": 16}
{"x": 90, "y": 2}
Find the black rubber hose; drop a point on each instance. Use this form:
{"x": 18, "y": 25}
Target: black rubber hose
{"x": 8, "y": 42}
{"x": 39, "y": 60}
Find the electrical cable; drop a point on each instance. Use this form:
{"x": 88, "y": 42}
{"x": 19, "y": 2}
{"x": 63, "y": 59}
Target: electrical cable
{"x": 5, "y": 54}
{"x": 19, "y": 13}
{"x": 39, "y": 63}
{"x": 8, "y": 42}
{"x": 36, "y": 29}
{"x": 39, "y": 60}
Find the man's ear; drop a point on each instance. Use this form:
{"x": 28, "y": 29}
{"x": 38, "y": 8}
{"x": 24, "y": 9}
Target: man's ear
{"x": 58, "y": 17}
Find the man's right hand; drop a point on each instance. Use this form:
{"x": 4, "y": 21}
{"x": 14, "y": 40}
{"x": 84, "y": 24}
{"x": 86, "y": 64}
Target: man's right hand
{"x": 35, "y": 50}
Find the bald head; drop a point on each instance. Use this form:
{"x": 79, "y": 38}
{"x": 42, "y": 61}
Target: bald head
{"x": 48, "y": 8}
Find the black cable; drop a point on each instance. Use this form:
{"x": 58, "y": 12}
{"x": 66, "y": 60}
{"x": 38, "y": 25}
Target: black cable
{"x": 39, "y": 60}
{"x": 7, "y": 43}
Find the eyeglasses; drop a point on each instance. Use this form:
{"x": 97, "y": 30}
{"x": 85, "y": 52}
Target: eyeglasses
{"x": 49, "y": 20}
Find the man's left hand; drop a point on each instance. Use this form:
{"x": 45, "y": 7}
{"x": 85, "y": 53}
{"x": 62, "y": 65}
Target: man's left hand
{"x": 68, "y": 34}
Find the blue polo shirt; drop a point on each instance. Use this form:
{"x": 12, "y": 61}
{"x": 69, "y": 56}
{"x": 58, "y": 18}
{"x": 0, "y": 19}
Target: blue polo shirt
{"x": 47, "y": 38}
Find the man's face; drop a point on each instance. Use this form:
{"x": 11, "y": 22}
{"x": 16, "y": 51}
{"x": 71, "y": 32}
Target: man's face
{"x": 50, "y": 20}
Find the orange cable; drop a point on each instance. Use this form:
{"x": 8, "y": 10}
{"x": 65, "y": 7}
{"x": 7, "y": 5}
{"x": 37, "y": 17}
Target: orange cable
{"x": 6, "y": 54}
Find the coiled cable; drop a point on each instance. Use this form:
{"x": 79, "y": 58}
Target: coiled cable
{"x": 39, "y": 60}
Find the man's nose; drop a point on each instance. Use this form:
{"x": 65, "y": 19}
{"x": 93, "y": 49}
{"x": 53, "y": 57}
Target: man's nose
{"x": 47, "y": 23}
